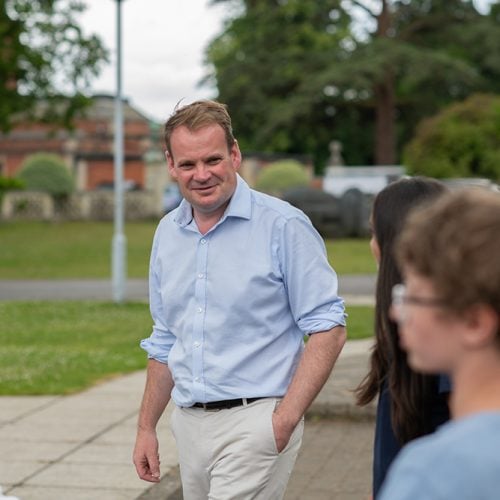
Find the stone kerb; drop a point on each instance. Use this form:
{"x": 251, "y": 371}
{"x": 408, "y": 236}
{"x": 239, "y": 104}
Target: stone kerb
{"x": 27, "y": 205}
{"x": 76, "y": 207}
{"x": 139, "y": 205}
{"x": 89, "y": 205}
{"x": 100, "y": 205}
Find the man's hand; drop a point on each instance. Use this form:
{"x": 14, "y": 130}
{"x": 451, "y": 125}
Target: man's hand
{"x": 146, "y": 457}
{"x": 282, "y": 431}
{"x": 320, "y": 354}
{"x": 159, "y": 384}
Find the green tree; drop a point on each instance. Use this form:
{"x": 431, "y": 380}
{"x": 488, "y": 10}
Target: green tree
{"x": 463, "y": 140}
{"x": 261, "y": 64}
{"x": 47, "y": 172}
{"x": 279, "y": 176}
{"x": 374, "y": 70}
{"x": 44, "y": 57}
{"x": 417, "y": 57}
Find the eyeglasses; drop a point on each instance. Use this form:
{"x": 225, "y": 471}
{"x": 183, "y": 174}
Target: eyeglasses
{"x": 400, "y": 299}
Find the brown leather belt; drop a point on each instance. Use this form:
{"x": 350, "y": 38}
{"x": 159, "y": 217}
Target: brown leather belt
{"x": 225, "y": 404}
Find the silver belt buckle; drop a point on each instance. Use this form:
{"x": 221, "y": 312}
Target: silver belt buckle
{"x": 211, "y": 409}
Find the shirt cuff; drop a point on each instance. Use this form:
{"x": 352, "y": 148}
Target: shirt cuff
{"x": 158, "y": 350}
{"x": 322, "y": 321}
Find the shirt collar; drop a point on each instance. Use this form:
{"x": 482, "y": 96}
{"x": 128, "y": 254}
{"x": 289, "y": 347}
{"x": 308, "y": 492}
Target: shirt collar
{"x": 239, "y": 206}
{"x": 241, "y": 201}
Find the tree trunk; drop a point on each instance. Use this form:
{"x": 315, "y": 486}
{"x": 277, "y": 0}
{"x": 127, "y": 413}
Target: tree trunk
{"x": 385, "y": 133}
{"x": 385, "y": 103}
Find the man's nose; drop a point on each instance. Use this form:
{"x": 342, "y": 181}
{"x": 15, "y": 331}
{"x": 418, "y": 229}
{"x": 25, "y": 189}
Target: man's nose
{"x": 202, "y": 173}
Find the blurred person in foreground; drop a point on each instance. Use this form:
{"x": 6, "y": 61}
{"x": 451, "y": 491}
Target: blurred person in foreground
{"x": 410, "y": 404}
{"x": 449, "y": 315}
{"x": 237, "y": 278}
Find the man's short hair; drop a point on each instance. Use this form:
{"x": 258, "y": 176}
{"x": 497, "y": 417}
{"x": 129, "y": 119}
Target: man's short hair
{"x": 455, "y": 242}
{"x": 197, "y": 115}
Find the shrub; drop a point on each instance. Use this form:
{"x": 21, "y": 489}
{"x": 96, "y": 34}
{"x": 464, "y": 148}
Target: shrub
{"x": 8, "y": 184}
{"x": 280, "y": 176}
{"x": 463, "y": 140}
{"x": 47, "y": 172}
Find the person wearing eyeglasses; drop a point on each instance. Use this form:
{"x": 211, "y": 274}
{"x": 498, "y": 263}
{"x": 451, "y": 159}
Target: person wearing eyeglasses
{"x": 448, "y": 312}
{"x": 409, "y": 404}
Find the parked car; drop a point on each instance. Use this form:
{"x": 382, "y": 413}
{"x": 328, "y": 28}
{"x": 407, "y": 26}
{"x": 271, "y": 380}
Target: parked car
{"x": 334, "y": 217}
{"x": 171, "y": 197}
{"x": 322, "y": 208}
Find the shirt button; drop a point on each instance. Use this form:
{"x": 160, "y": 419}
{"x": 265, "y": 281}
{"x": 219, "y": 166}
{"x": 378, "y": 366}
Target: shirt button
{"x": 203, "y": 241}
{"x": 200, "y": 275}
{"x": 196, "y": 344}
{"x": 197, "y": 379}
{"x": 200, "y": 310}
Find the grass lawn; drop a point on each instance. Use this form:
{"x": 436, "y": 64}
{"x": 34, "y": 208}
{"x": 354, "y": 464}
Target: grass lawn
{"x": 360, "y": 322}
{"x": 48, "y": 250}
{"x": 65, "y": 347}
{"x": 351, "y": 256}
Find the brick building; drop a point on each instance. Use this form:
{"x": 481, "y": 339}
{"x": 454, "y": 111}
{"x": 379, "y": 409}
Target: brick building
{"x": 87, "y": 149}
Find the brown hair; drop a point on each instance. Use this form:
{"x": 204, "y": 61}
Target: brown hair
{"x": 197, "y": 115}
{"x": 410, "y": 392}
{"x": 455, "y": 243}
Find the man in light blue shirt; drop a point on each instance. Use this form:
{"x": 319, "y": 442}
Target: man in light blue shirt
{"x": 237, "y": 278}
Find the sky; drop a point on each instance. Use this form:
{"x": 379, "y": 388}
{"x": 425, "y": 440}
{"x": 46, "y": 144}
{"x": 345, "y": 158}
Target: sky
{"x": 163, "y": 43}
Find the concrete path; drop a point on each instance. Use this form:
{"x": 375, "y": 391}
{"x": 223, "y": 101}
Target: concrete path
{"x": 79, "y": 447}
{"x": 362, "y": 286}
{"x": 76, "y": 447}
{"x": 69, "y": 289}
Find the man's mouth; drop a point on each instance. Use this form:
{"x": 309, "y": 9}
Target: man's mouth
{"x": 202, "y": 189}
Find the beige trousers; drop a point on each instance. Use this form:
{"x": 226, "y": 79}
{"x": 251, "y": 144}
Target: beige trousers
{"x": 231, "y": 454}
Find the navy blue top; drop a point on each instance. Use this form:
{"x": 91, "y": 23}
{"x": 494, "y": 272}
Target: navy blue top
{"x": 386, "y": 445}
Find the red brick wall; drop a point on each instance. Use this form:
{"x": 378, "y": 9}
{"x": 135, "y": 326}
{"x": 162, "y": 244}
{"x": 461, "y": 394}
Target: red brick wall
{"x": 90, "y": 139}
{"x": 102, "y": 172}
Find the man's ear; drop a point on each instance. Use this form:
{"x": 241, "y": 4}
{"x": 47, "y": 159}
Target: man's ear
{"x": 170, "y": 164}
{"x": 481, "y": 326}
{"x": 236, "y": 155}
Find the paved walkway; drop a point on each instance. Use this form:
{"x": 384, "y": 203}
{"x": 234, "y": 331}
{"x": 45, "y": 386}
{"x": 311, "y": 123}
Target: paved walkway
{"x": 79, "y": 447}
{"x": 136, "y": 289}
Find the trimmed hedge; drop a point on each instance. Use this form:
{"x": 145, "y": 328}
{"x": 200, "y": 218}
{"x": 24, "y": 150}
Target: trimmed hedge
{"x": 48, "y": 173}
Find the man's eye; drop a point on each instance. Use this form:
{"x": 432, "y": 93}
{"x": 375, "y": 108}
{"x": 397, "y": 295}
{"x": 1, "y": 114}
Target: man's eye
{"x": 214, "y": 161}
{"x": 186, "y": 166}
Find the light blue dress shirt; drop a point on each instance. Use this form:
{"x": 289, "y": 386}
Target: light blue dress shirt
{"x": 231, "y": 307}
{"x": 460, "y": 461}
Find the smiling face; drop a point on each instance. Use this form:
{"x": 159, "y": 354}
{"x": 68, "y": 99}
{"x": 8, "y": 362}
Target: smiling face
{"x": 204, "y": 168}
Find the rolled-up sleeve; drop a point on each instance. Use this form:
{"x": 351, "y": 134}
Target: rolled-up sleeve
{"x": 161, "y": 340}
{"x": 321, "y": 320}
{"x": 310, "y": 280}
{"x": 158, "y": 346}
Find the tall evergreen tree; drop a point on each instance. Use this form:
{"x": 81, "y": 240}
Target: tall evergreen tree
{"x": 262, "y": 62}
{"x": 367, "y": 72}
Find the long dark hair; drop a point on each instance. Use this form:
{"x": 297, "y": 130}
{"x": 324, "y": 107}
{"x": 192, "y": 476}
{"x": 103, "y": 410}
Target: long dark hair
{"x": 410, "y": 392}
